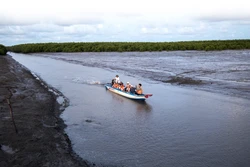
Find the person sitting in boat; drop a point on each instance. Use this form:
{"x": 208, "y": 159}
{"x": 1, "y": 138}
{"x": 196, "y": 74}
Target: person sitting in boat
{"x": 117, "y": 79}
{"x": 128, "y": 87}
{"x": 113, "y": 81}
{"x": 132, "y": 89}
{"x": 115, "y": 85}
{"x": 139, "y": 89}
{"x": 121, "y": 86}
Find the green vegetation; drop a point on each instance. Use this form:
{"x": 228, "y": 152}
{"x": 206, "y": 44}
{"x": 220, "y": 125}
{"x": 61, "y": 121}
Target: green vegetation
{"x": 131, "y": 46}
{"x": 3, "y": 50}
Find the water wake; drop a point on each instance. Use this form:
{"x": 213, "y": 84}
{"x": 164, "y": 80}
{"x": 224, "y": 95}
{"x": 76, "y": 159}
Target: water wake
{"x": 81, "y": 80}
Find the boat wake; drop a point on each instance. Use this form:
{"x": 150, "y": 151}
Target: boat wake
{"x": 81, "y": 80}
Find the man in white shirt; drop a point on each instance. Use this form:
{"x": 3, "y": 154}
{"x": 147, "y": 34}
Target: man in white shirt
{"x": 117, "y": 79}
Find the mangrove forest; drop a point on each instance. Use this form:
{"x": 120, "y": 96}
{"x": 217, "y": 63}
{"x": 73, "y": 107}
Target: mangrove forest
{"x": 212, "y": 45}
{"x": 3, "y": 50}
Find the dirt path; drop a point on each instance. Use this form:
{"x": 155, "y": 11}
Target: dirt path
{"x": 40, "y": 140}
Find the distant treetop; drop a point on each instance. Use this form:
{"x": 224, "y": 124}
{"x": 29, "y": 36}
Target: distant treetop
{"x": 131, "y": 46}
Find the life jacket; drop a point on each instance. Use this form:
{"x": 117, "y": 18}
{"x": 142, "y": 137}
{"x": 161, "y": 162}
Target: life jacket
{"x": 121, "y": 87}
{"x": 139, "y": 91}
{"x": 116, "y": 85}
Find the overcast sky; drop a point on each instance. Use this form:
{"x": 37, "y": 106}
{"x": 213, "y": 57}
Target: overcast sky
{"x": 34, "y": 21}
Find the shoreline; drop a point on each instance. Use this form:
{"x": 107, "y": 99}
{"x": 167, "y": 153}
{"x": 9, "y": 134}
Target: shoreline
{"x": 41, "y": 139}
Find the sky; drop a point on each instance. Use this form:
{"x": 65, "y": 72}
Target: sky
{"x": 38, "y": 21}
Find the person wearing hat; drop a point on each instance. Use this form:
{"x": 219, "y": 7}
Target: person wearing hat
{"x": 127, "y": 88}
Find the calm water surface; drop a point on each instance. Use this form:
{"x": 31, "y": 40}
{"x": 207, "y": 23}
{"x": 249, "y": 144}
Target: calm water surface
{"x": 176, "y": 127}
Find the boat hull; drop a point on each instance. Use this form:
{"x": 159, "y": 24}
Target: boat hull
{"x": 125, "y": 94}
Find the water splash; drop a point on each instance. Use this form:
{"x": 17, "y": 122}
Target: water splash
{"x": 80, "y": 80}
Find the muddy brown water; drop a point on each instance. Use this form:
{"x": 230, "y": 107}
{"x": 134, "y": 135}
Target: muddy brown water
{"x": 179, "y": 126}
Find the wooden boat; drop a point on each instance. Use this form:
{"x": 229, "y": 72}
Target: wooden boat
{"x": 127, "y": 94}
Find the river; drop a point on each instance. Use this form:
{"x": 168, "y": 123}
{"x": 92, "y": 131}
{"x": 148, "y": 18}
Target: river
{"x": 203, "y": 124}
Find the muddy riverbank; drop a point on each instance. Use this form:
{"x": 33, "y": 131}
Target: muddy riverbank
{"x": 40, "y": 139}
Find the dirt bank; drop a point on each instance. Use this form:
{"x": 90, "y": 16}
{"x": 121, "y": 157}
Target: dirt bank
{"x": 40, "y": 140}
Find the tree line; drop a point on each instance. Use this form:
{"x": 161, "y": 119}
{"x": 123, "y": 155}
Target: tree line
{"x": 3, "y": 50}
{"x": 130, "y": 46}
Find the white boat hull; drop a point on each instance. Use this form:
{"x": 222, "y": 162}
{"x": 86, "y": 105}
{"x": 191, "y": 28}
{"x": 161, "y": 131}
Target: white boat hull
{"x": 125, "y": 94}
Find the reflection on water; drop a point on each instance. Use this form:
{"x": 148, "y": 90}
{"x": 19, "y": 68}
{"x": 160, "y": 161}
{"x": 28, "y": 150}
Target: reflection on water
{"x": 141, "y": 105}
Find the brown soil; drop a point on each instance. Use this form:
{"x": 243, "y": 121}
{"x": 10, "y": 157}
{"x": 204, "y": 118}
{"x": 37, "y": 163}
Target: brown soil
{"x": 40, "y": 140}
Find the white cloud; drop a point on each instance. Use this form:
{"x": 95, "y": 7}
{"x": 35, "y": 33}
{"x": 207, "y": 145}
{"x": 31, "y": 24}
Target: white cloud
{"x": 78, "y": 11}
{"x": 154, "y": 30}
{"x": 80, "y": 29}
{"x": 186, "y": 30}
{"x": 100, "y": 26}
{"x": 122, "y": 20}
{"x": 13, "y": 30}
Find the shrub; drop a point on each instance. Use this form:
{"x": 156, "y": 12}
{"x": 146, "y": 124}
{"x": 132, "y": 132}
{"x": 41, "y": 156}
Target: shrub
{"x": 3, "y": 50}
